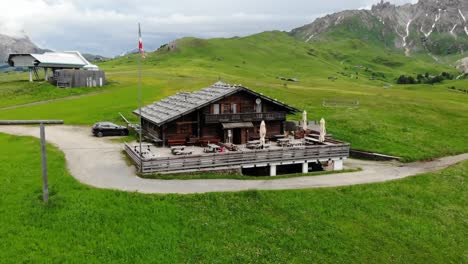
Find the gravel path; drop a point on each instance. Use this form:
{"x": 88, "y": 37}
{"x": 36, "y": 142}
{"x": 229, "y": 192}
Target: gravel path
{"x": 100, "y": 163}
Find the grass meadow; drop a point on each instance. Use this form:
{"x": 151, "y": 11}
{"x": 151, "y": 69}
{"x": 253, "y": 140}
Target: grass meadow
{"x": 414, "y": 122}
{"x": 416, "y": 220}
{"x": 420, "y": 219}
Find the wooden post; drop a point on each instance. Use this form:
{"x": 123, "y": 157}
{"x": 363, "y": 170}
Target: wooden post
{"x": 198, "y": 122}
{"x": 163, "y": 135}
{"x": 30, "y": 74}
{"x": 140, "y": 104}
{"x": 305, "y": 167}
{"x": 272, "y": 170}
{"x": 45, "y": 184}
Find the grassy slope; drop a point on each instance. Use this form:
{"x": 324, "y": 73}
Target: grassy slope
{"x": 16, "y": 90}
{"x": 415, "y": 122}
{"x": 416, "y": 220}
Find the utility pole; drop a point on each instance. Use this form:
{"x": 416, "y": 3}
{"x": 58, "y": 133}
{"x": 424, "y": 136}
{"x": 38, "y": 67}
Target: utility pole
{"x": 140, "y": 104}
{"x": 45, "y": 181}
{"x": 42, "y": 123}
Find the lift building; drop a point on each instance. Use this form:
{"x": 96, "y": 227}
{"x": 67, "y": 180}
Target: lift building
{"x": 64, "y": 69}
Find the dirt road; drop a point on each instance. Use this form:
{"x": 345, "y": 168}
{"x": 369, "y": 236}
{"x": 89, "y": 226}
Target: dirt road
{"x": 100, "y": 163}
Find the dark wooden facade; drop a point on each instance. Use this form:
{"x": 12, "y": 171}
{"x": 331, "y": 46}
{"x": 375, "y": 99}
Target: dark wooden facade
{"x": 238, "y": 115}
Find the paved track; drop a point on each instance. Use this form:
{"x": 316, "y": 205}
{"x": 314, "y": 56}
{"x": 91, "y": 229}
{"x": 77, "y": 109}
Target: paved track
{"x": 100, "y": 163}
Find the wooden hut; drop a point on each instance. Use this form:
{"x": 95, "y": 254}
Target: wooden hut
{"x": 219, "y": 113}
{"x": 68, "y": 78}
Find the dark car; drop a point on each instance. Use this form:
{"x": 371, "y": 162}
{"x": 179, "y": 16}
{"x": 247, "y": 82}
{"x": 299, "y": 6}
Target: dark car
{"x": 103, "y": 129}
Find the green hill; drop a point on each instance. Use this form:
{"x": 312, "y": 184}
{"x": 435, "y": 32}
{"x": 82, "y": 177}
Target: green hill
{"x": 417, "y": 220}
{"x": 415, "y": 121}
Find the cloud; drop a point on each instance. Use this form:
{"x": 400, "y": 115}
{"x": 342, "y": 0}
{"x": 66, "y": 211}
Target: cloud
{"x": 109, "y": 26}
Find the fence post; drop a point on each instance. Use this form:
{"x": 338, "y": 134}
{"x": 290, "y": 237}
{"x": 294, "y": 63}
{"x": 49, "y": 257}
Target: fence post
{"x": 45, "y": 184}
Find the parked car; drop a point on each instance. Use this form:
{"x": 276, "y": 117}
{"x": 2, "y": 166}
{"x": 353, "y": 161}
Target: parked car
{"x": 103, "y": 129}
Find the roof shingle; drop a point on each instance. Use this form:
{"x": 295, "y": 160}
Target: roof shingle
{"x": 183, "y": 103}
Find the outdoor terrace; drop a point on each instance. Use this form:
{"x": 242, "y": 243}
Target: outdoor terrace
{"x": 160, "y": 160}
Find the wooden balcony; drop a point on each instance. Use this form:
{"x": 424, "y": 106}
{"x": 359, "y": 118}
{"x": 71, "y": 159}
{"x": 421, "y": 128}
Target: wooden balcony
{"x": 245, "y": 117}
{"x": 239, "y": 159}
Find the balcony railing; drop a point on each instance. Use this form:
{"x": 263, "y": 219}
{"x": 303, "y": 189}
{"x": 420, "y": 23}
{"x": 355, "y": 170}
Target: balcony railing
{"x": 245, "y": 117}
{"x": 239, "y": 159}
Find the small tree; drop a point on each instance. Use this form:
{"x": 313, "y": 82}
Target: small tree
{"x": 402, "y": 79}
{"x": 420, "y": 78}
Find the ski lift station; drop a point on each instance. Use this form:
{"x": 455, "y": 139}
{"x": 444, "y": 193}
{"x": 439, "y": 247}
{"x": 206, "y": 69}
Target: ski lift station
{"x": 63, "y": 69}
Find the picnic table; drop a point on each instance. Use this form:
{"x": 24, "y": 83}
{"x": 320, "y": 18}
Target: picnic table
{"x": 311, "y": 140}
{"x": 253, "y": 144}
{"x": 212, "y": 148}
{"x": 278, "y": 137}
{"x": 183, "y": 153}
{"x": 295, "y": 143}
{"x": 283, "y": 142}
{"x": 230, "y": 146}
{"x": 147, "y": 155}
{"x": 177, "y": 149}
{"x": 180, "y": 150}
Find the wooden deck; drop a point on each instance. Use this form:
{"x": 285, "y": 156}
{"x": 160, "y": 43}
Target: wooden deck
{"x": 239, "y": 159}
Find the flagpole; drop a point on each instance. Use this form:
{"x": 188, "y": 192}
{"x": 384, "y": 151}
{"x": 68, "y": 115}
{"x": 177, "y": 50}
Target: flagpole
{"x": 140, "y": 99}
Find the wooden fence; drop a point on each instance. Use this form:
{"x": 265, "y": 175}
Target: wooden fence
{"x": 239, "y": 159}
{"x": 340, "y": 103}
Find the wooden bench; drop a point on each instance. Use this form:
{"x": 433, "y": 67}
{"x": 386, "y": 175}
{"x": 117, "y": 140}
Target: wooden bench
{"x": 176, "y": 142}
{"x": 212, "y": 148}
{"x": 283, "y": 142}
{"x": 311, "y": 140}
{"x": 182, "y": 152}
{"x": 230, "y": 146}
{"x": 175, "y": 149}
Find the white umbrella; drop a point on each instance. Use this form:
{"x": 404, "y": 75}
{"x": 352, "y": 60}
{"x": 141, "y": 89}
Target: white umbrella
{"x": 262, "y": 133}
{"x": 323, "y": 131}
{"x": 304, "y": 120}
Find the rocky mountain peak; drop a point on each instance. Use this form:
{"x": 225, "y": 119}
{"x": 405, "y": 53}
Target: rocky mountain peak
{"x": 10, "y": 44}
{"x": 433, "y": 26}
{"x": 382, "y": 6}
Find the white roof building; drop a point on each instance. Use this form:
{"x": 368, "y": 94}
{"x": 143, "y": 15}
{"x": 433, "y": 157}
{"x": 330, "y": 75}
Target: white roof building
{"x": 58, "y": 60}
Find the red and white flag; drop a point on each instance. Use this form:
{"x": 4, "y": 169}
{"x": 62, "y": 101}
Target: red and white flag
{"x": 140, "y": 43}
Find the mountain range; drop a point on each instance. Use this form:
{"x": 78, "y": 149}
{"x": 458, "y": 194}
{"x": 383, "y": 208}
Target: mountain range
{"x": 435, "y": 26}
{"x": 10, "y": 44}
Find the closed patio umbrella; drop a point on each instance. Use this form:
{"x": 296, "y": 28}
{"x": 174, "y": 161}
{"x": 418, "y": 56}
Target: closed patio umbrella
{"x": 262, "y": 133}
{"x": 304, "y": 120}
{"x": 323, "y": 131}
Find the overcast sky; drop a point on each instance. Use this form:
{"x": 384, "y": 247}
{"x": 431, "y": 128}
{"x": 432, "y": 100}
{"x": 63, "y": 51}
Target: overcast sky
{"x": 109, "y": 27}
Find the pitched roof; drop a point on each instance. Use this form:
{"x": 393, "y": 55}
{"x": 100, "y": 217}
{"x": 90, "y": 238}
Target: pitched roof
{"x": 184, "y": 103}
{"x": 72, "y": 59}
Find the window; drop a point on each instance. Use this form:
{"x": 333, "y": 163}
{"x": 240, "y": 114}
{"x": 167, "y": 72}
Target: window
{"x": 216, "y": 109}
{"x": 184, "y": 129}
{"x": 234, "y": 108}
{"x": 258, "y": 108}
{"x": 226, "y": 108}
